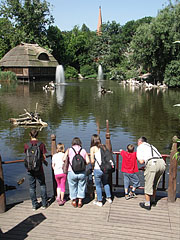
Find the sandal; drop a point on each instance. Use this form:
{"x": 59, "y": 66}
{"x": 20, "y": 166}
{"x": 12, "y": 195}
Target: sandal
{"x": 74, "y": 204}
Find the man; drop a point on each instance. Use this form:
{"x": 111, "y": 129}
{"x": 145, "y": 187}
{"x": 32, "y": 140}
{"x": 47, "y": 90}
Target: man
{"x": 154, "y": 169}
{"x": 38, "y": 172}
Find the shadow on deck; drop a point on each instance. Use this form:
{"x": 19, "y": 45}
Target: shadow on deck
{"x": 123, "y": 219}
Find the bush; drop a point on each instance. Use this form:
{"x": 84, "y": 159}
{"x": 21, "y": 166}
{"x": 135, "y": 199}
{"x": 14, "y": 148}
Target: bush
{"x": 8, "y": 76}
{"x": 87, "y": 70}
{"x": 71, "y": 72}
{"x": 172, "y": 74}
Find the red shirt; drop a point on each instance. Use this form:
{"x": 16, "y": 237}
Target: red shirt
{"x": 42, "y": 146}
{"x": 129, "y": 162}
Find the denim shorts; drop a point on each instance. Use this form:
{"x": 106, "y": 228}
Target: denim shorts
{"x": 77, "y": 184}
{"x": 131, "y": 177}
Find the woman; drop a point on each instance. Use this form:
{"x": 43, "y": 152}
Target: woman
{"x": 100, "y": 177}
{"x": 76, "y": 180}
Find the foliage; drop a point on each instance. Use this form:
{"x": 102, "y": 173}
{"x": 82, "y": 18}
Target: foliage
{"x": 172, "y": 74}
{"x": 152, "y": 45}
{"x": 56, "y": 43}
{"x": 6, "y": 36}
{"x": 71, "y": 72}
{"x": 87, "y": 70}
{"x": 7, "y": 76}
{"x": 29, "y": 18}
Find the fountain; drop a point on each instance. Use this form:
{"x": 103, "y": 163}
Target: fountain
{"x": 100, "y": 73}
{"x": 60, "y": 79}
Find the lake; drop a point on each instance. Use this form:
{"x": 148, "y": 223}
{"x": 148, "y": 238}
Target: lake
{"x": 79, "y": 109}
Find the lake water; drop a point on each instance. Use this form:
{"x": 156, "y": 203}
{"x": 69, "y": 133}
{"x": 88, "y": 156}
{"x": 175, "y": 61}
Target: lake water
{"x": 79, "y": 109}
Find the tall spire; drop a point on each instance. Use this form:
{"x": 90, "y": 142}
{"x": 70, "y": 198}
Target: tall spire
{"x": 99, "y": 22}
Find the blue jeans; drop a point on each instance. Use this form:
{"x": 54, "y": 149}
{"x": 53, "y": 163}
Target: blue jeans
{"x": 131, "y": 177}
{"x": 33, "y": 176}
{"x": 77, "y": 185}
{"x": 101, "y": 179}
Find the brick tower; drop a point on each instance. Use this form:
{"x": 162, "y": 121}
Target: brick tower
{"x": 99, "y": 23}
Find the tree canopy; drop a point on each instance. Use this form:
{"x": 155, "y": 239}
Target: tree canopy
{"x": 145, "y": 45}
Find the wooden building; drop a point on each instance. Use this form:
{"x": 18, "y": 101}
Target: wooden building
{"x": 30, "y": 62}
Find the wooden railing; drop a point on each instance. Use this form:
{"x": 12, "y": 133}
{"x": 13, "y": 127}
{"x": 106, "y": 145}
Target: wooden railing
{"x": 117, "y": 184}
{"x": 172, "y": 170}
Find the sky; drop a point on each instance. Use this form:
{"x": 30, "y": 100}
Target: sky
{"x": 68, "y": 13}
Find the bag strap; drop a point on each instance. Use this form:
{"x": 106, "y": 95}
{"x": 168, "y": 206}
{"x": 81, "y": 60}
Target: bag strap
{"x": 37, "y": 144}
{"x": 97, "y": 162}
{"x": 78, "y": 151}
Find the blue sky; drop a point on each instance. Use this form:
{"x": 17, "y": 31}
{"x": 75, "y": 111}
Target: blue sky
{"x": 68, "y": 13}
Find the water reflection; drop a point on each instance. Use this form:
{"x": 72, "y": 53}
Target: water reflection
{"x": 131, "y": 113}
{"x": 60, "y": 91}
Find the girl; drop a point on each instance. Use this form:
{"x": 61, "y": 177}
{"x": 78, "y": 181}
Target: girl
{"x": 100, "y": 177}
{"x": 57, "y": 164}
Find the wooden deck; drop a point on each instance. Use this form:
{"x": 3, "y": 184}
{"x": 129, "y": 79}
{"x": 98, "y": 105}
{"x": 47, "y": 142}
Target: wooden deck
{"x": 121, "y": 220}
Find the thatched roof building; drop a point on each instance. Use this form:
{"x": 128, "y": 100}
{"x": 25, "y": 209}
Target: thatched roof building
{"x": 30, "y": 62}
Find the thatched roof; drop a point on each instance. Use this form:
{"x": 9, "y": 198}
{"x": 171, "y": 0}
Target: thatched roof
{"x": 28, "y": 55}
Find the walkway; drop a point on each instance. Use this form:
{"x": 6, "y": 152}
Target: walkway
{"x": 121, "y": 220}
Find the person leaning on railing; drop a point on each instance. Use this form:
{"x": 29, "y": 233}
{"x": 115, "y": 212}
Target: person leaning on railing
{"x": 154, "y": 168}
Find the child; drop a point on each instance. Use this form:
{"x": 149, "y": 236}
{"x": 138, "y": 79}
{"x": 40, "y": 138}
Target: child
{"x": 129, "y": 169}
{"x": 57, "y": 164}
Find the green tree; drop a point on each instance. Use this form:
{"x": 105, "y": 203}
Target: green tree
{"x": 6, "y": 36}
{"x": 152, "y": 45}
{"x": 30, "y": 19}
{"x": 56, "y": 44}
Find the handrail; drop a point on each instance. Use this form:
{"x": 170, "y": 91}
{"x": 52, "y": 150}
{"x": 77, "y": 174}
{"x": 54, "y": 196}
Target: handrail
{"x": 116, "y": 171}
{"x": 141, "y": 169}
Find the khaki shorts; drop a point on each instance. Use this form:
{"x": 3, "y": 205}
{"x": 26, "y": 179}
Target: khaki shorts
{"x": 152, "y": 175}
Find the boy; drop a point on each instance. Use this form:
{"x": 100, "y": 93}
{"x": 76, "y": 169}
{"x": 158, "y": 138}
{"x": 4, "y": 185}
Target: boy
{"x": 38, "y": 174}
{"x": 129, "y": 169}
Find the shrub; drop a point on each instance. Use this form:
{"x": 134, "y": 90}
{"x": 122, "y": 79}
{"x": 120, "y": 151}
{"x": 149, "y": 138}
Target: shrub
{"x": 71, "y": 72}
{"x": 87, "y": 70}
{"x": 172, "y": 74}
{"x": 8, "y": 76}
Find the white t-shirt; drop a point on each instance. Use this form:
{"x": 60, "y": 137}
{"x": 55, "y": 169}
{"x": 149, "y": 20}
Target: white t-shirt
{"x": 144, "y": 152}
{"x": 58, "y": 162}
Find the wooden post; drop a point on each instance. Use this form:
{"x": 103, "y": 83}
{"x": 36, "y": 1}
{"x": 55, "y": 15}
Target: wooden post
{"x": 172, "y": 172}
{"x": 108, "y": 140}
{"x": 53, "y": 151}
{"x": 2, "y": 191}
{"x": 109, "y": 147}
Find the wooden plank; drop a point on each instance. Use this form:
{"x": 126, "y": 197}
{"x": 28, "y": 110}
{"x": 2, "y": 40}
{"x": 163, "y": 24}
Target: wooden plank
{"x": 121, "y": 220}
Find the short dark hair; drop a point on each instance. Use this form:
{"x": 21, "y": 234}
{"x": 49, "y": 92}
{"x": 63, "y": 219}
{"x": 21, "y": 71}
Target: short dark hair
{"x": 76, "y": 141}
{"x": 33, "y": 133}
{"x": 130, "y": 148}
{"x": 143, "y": 139}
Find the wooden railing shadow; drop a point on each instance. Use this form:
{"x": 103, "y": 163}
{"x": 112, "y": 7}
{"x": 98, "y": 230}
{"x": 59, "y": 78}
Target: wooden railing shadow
{"x": 21, "y": 230}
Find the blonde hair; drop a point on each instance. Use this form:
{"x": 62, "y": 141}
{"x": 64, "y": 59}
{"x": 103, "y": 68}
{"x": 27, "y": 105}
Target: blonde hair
{"x": 60, "y": 147}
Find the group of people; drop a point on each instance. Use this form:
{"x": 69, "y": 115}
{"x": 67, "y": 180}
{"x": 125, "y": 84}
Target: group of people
{"x": 146, "y": 154}
{"x": 155, "y": 166}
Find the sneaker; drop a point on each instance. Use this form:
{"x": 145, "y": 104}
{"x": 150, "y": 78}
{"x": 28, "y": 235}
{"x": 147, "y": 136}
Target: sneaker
{"x": 147, "y": 207}
{"x": 153, "y": 203}
{"x": 43, "y": 207}
{"x": 109, "y": 200}
{"x": 34, "y": 208}
{"x": 61, "y": 202}
{"x": 132, "y": 195}
{"x": 97, "y": 203}
{"x": 127, "y": 197}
